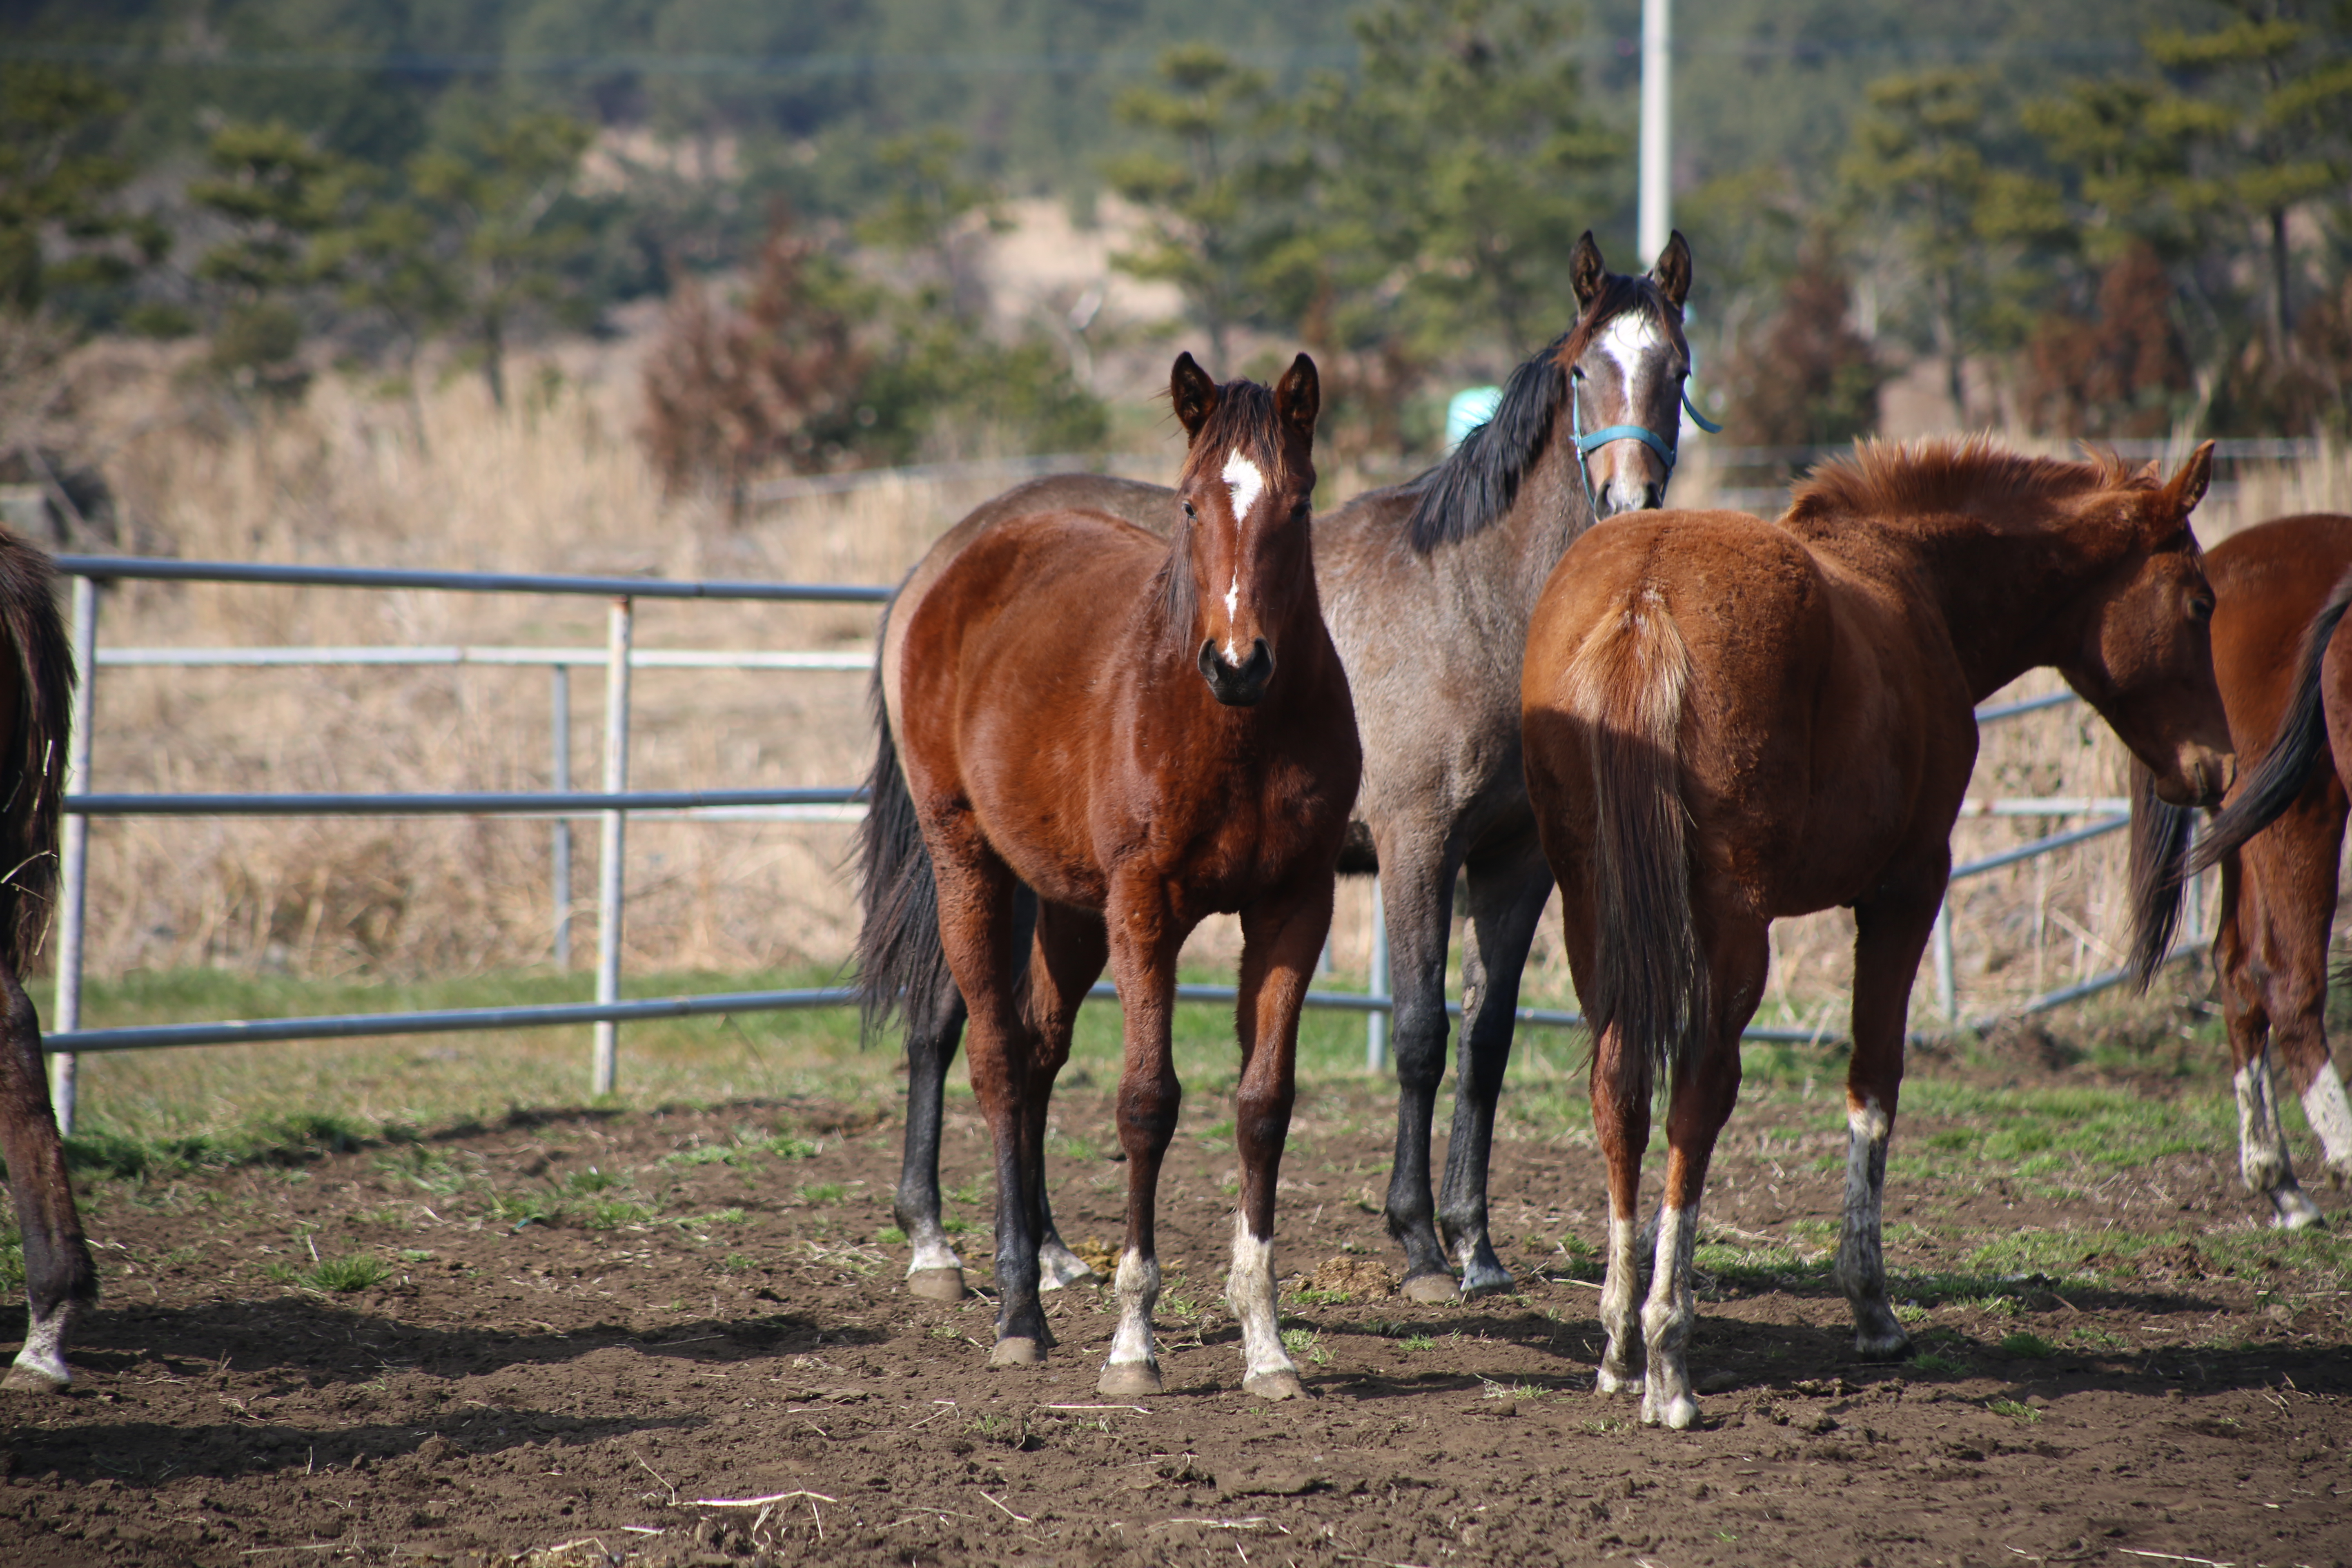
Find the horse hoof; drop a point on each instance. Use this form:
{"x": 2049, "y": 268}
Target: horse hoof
{"x": 1017, "y": 1352}
{"x": 936, "y": 1284}
{"x": 2295, "y": 1211}
{"x": 1431, "y": 1288}
{"x": 1886, "y": 1345}
{"x": 1487, "y": 1282}
{"x": 1129, "y": 1379}
{"x": 1607, "y": 1382}
{"x": 1058, "y": 1268}
{"x": 1680, "y": 1414}
{"x": 1276, "y": 1385}
{"x": 23, "y": 1379}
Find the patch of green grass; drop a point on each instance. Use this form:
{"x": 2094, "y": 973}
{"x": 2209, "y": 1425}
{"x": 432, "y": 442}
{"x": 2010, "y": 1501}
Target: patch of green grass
{"x": 1911, "y": 1312}
{"x": 2027, "y": 1347}
{"x": 1308, "y": 1296}
{"x": 592, "y": 1181}
{"x": 786, "y": 1147}
{"x": 890, "y": 1235}
{"x": 1306, "y": 1344}
{"x": 1938, "y": 1365}
{"x": 522, "y": 1208}
{"x": 354, "y": 1271}
{"x": 1417, "y": 1342}
{"x": 955, "y": 1227}
{"x": 416, "y": 1255}
{"x": 822, "y": 1192}
{"x": 1522, "y": 1393}
{"x": 706, "y": 1154}
{"x": 738, "y": 1262}
{"x": 718, "y": 1216}
{"x": 2098, "y": 1340}
{"x": 613, "y": 1214}
{"x": 2014, "y": 1410}
{"x": 1083, "y": 1150}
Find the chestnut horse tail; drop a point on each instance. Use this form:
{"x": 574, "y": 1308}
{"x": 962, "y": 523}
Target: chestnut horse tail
{"x": 33, "y": 774}
{"x": 2270, "y": 785}
{"x": 1626, "y": 685}
{"x": 2158, "y": 864}
{"x": 901, "y": 967}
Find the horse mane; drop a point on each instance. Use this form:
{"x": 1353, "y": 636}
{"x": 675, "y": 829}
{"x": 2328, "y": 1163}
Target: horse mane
{"x": 1243, "y": 420}
{"x": 1912, "y": 478}
{"x": 1477, "y": 483}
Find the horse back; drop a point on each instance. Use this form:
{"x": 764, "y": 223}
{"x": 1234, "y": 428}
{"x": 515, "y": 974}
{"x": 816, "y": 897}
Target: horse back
{"x": 2268, "y": 582}
{"x": 1820, "y": 734}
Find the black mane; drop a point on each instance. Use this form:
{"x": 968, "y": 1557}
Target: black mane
{"x": 1477, "y": 483}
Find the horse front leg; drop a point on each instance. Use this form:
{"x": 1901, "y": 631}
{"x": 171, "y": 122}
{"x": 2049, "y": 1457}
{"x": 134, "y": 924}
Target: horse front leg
{"x": 1507, "y": 899}
{"x": 1143, "y": 947}
{"x": 1706, "y": 1088}
{"x": 1280, "y": 941}
{"x": 1890, "y": 933}
{"x": 1417, "y": 896}
{"x": 58, "y": 1278}
{"x": 934, "y": 1271}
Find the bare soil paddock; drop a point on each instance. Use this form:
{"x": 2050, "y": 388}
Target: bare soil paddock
{"x": 586, "y": 1324}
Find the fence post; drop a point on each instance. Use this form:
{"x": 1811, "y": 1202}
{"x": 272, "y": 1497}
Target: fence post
{"x": 609, "y": 881}
{"x": 1376, "y": 1024}
{"x": 1946, "y": 1003}
{"x": 74, "y": 854}
{"x": 560, "y": 706}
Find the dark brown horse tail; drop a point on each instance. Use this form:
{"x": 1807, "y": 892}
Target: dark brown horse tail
{"x": 2158, "y": 867}
{"x": 32, "y": 779}
{"x": 901, "y": 967}
{"x": 2270, "y": 785}
{"x": 1626, "y": 684}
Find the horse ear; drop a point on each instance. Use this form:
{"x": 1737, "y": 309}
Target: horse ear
{"x": 2188, "y": 486}
{"x": 1586, "y": 271}
{"x": 1673, "y": 272}
{"x": 1299, "y": 397}
{"x": 1193, "y": 393}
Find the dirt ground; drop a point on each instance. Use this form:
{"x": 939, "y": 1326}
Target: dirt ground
{"x": 592, "y": 1325}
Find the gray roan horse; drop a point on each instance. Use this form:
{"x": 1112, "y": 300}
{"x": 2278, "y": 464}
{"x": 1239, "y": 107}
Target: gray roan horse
{"x": 1427, "y": 587}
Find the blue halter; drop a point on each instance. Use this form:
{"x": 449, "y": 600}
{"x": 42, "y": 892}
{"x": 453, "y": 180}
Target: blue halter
{"x": 1586, "y": 444}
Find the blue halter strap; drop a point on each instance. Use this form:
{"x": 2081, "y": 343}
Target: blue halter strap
{"x": 1586, "y": 444}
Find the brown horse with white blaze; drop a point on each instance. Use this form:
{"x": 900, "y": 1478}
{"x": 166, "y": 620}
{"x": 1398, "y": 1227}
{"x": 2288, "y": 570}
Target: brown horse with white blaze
{"x": 1139, "y": 730}
{"x": 1729, "y": 720}
{"x": 36, "y": 677}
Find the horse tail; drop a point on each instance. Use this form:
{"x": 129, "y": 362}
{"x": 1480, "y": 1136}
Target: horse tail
{"x": 1626, "y": 685}
{"x": 2267, "y": 788}
{"x": 33, "y": 773}
{"x": 901, "y": 967}
{"x": 2158, "y": 865}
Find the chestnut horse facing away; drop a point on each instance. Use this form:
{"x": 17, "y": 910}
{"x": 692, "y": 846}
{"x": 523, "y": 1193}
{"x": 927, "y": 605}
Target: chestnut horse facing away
{"x": 37, "y": 678}
{"x": 2289, "y": 696}
{"x": 1729, "y": 721}
{"x": 1141, "y": 731}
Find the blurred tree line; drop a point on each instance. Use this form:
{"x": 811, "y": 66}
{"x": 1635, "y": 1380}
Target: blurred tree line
{"x": 2105, "y": 217}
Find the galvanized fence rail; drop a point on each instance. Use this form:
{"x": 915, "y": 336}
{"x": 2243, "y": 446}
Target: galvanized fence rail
{"x": 615, "y": 802}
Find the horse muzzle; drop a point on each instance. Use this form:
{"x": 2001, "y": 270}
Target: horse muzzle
{"x": 1237, "y": 685}
{"x": 1620, "y": 496}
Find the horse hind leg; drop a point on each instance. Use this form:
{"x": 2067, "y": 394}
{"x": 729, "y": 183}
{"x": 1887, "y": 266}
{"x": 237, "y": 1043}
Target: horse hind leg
{"x": 934, "y": 1272}
{"x": 1071, "y": 948}
{"x": 2273, "y": 989}
{"x": 58, "y": 1278}
{"x": 1507, "y": 903}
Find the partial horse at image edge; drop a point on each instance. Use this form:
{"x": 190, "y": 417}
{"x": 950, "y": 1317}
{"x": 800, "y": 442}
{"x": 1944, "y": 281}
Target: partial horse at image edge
{"x": 36, "y": 679}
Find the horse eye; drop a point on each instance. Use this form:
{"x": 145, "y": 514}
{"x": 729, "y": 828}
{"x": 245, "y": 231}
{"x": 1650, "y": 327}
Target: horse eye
{"x": 1189, "y": 511}
{"x": 1298, "y": 510}
{"x": 2200, "y": 608}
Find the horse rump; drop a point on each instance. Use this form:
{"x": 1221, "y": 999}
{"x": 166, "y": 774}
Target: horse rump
{"x": 2270, "y": 785}
{"x": 33, "y": 778}
{"x": 1625, "y": 687}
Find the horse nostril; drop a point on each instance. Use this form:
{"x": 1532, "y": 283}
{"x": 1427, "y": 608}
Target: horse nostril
{"x": 1261, "y": 664}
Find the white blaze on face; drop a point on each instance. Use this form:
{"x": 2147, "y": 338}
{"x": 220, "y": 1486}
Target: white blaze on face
{"x": 1245, "y": 481}
{"x": 1629, "y": 340}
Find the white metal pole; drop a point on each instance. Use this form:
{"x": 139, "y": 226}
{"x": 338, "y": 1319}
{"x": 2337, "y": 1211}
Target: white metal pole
{"x": 1657, "y": 218}
{"x": 1947, "y": 1002}
{"x": 1376, "y": 1024}
{"x": 560, "y": 705}
{"x": 609, "y": 881}
{"x": 74, "y": 854}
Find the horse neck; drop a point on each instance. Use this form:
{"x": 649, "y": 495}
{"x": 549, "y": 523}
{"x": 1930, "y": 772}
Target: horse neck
{"x": 1503, "y": 567}
{"x": 2003, "y": 591}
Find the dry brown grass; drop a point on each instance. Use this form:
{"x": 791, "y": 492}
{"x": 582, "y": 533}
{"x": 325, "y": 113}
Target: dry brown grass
{"x": 558, "y": 483}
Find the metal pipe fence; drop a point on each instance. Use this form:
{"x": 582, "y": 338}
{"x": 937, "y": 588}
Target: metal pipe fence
{"x": 614, "y": 803}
